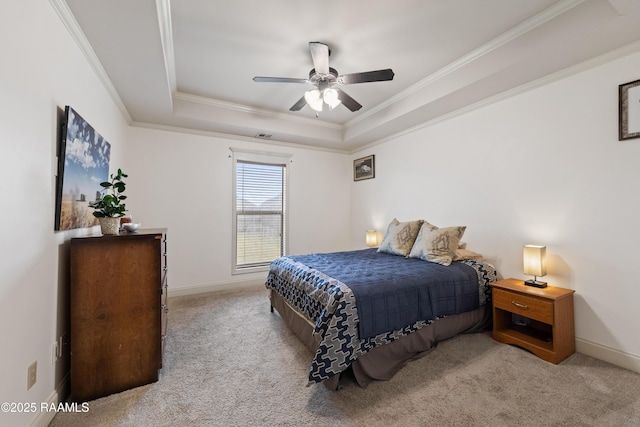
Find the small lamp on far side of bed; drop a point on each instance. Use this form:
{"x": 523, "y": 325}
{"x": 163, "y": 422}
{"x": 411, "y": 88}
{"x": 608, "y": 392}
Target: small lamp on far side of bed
{"x": 371, "y": 238}
{"x": 535, "y": 264}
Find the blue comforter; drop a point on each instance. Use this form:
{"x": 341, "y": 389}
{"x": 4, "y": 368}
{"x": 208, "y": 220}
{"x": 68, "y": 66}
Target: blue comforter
{"x": 330, "y": 305}
{"x": 392, "y": 292}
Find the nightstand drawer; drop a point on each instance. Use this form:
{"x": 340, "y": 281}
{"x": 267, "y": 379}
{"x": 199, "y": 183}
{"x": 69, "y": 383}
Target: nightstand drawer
{"x": 524, "y": 305}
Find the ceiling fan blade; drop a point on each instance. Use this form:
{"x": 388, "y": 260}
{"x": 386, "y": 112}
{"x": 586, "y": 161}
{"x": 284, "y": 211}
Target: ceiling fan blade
{"x": 298, "y": 105}
{"x": 278, "y": 80}
{"x": 348, "y": 101}
{"x": 368, "y": 76}
{"x": 320, "y": 57}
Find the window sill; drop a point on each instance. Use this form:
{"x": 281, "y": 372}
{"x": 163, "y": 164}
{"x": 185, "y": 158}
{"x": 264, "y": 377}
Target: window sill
{"x": 249, "y": 270}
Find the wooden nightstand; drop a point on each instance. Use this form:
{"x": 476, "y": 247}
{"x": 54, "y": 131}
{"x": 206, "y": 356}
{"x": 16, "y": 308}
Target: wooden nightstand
{"x": 547, "y": 327}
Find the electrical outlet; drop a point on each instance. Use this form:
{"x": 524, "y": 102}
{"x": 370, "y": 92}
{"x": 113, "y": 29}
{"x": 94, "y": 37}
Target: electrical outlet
{"x": 32, "y": 372}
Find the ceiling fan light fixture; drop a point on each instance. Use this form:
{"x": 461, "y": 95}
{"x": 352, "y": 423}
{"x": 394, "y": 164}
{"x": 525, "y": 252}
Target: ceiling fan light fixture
{"x": 330, "y": 97}
{"x": 313, "y": 99}
{"x": 324, "y": 77}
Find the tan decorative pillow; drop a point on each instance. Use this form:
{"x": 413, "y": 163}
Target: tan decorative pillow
{"x": 437, "y": 245}
{"x": 461, "y": 254}
{"x": 399, "y": 237}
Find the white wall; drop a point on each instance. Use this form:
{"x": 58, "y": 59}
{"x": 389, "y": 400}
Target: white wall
{"x": 542, "y": 167}
{"x": 183, "y": 182}
{"x": 42, "y": 71}
{"x": 177, "y": 180}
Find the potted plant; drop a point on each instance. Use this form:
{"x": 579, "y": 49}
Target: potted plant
{"x": 109, "y": 208}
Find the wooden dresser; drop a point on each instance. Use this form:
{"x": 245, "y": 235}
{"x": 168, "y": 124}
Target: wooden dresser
{"x": 118, "y": 311}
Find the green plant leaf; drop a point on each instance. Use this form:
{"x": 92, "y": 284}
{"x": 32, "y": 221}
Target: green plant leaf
{"x": 109, "y": 205}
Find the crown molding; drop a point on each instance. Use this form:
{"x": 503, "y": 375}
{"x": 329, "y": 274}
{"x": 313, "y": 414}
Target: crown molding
{"x": 630, "y": 49}
{"x": 210, "y": 102}
{"x": 166, "y": 41}
{"x": 228, "y": 136}
{"x": 535, "y": 21}
{"x": 62, "y": 9}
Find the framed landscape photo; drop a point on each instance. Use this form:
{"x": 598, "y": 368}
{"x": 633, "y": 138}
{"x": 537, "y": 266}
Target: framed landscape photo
{"x": 83, "y": 163}
{"x": 364, "y": 168}
{"x": 629, "y": 110}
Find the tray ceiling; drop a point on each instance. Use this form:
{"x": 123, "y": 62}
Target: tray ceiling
{"x": 190, "y": 64}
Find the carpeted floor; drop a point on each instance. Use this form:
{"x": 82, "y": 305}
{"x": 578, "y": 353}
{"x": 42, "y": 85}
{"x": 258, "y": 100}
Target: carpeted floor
{"x": 230, "y": 362}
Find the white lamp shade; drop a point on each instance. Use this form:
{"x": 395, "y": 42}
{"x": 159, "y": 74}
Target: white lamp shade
{"x": 534, "y": 260}
{"x": 313, "y": 99}
{"x": 331, "y": 98}
{"x": 372, "y": 238}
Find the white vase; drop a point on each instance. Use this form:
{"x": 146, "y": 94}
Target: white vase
{"x": 109, "y": 225}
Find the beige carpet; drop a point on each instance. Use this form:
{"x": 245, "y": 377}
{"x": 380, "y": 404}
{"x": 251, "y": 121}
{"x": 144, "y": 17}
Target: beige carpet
{"x": 230, "y": 362}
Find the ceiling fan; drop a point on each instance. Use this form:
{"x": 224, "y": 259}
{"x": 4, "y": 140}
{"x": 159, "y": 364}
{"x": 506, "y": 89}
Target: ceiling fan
{"x": 326, "y": 80}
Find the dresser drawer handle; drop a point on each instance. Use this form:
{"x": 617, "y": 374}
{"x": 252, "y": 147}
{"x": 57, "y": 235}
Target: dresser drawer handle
{"x": 523, "y": 306}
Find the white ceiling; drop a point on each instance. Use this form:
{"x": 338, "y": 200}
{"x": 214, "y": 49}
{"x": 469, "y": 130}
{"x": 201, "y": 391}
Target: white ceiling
{"x": 190, "y": 63}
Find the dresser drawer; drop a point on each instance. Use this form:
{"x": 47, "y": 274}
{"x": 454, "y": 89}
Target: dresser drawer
{"x": 524, "y": 305}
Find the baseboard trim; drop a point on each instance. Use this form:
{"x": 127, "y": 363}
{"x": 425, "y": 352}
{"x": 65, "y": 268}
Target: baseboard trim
{"x": 213, "y": 287}
{"x": 608, "y": 354}
{"x": 44, "y": 418}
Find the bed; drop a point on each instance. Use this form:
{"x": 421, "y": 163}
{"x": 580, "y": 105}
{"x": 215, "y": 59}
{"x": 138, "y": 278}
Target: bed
{"x": 371, "y": 311}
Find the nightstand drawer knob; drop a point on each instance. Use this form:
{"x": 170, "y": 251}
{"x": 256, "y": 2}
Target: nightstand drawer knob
{"x": 523, "y": 306}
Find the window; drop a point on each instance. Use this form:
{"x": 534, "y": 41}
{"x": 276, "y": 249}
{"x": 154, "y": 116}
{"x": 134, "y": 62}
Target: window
{"x": 259, "y": 209}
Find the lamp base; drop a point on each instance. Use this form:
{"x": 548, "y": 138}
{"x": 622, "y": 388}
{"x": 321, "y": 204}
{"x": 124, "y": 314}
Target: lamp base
{"x": 535, "y": 283}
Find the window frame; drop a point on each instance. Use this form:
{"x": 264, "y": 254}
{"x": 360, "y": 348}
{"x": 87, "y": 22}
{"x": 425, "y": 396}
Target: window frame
{"x": 263, "y": 158}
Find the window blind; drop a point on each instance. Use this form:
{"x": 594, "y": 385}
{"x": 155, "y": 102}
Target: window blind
{"x": 260, "y": 212}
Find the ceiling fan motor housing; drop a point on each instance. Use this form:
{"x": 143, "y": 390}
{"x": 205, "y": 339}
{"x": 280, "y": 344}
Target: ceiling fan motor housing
{"x": 331, "y": 77}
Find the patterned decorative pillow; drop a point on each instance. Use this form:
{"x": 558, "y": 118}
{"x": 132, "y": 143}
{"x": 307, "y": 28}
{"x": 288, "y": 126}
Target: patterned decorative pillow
{"x": 437, "y": 245}
{"x": 400, "y": 236}
{"x": 461, "y": 254}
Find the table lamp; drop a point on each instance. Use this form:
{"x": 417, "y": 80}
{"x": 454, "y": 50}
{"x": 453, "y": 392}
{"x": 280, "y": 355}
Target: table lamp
{"x": 371, "y": 238}
{"x": 534, "y": 264}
